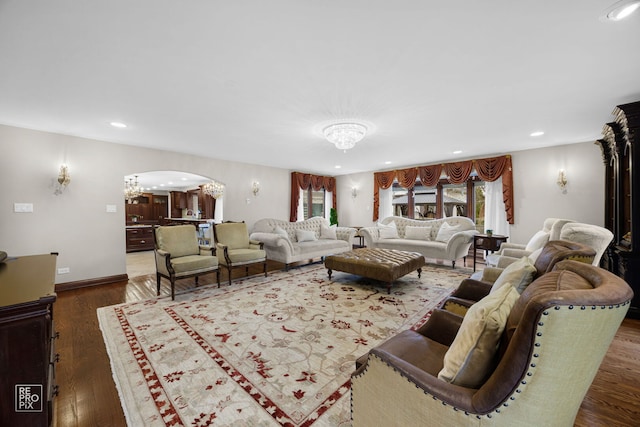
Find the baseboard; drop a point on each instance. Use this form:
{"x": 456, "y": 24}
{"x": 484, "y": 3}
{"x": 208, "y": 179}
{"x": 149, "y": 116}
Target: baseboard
{"x": 91, "y": 282}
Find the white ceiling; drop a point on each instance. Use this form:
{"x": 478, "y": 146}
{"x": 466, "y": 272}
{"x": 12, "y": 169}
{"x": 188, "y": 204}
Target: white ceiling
{"x": 255, "y": 81}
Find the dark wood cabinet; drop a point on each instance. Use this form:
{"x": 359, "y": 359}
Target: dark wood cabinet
{"x": 27, "y": 341}
{"x": 140, "y": 238}
{"x": 620, "y": 147}
{"x": 147, "y": 209}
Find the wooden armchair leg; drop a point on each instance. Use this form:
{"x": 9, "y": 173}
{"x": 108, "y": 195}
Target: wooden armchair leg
{"x": 229, "y": 272}
{"x": 265, "y": 268}
{"x": 158, "y": 283}
{"x": 173, "y": 289}
{"x": 218, "y": 277}
{"x": 246, "y": 271}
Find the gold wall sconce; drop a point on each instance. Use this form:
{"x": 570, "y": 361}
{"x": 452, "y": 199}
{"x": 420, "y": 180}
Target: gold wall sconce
{"x": 562, "y": 179}
{"x": 64, "y": 178}
{"x": 255, "y": 188}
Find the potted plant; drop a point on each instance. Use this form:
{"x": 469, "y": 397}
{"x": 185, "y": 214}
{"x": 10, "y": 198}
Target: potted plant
{"x": 333, "y": 216}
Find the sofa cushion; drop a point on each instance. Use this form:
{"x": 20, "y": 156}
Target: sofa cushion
{"x": 305, "y": 236}
{"x": 388, "y": 231}
{"x": 328, "y": 232}
{"x": 191, "y": 263}
{"x": 417, "y": 233}
{"x": 281, "y": 232}
{"x": 537, "y": 241}
{"x": 469, "y": 359}
{"x": 446, "y": 231}
{"x": 519, "y": 274}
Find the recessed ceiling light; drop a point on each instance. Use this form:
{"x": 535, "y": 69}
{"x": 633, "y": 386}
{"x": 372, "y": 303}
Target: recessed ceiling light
{"x": 388, "y": 162}
{"x": 457, "y": 152}
{"x": 170, "y": 183}
{"x": 118, "y": 125}
{"x": 337, "y": 166}
{"x": 537, "y": 133}
{"x": 161, "y": 185}
{"x": 621, "y": 10}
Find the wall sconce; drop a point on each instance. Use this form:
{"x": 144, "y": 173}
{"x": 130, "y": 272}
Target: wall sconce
{"x": 64, "y": 178}
{"x": 255, "y": 188}
{"x": 354, "y": 192}
{"x": 562, "y": 179}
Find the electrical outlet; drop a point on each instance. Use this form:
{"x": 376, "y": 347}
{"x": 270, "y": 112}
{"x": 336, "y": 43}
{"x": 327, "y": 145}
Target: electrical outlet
{"x": 63, "y": 270}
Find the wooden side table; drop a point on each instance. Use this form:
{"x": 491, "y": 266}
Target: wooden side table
{"x": 488, "y": 243}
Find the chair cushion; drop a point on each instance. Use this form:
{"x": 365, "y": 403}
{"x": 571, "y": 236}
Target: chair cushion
{"x": 469, "y": 360}
{"x": 192, "y": 263}
{"x": 537, "y": 241}
{"x": 178, "y": 240}
{"x": 519, "y": 275}
{"x": 446, "y": 231}
{"x": 305, "y": 236}
{"x": 388, "y": 231}
{"x": 232, "y": 234}
{"x": 417, "y": 233}
{"x": 241, "y": 256}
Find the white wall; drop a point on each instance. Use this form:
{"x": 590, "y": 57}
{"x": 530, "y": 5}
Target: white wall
{"x": 536, "y": 194}
{"x": 91, "y": 242}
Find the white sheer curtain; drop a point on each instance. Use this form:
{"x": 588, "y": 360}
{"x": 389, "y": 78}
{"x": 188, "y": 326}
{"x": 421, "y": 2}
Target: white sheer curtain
{"x": 301, "y": 206}
{"x": 495, "y": 216}
{"x": 328, "y": 203}
{"x": 386, "y": 205}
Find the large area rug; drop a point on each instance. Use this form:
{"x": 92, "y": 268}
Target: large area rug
{"x": 263, "y": 352}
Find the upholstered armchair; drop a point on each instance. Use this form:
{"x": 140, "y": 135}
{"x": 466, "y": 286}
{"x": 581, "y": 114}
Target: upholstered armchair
{"x": 179, "y": 256}
{"x": 551, "y": 228}
{"x": 519, "y": 274}
{"x": 591, "y": 235}
{"x": 235, "y": 249}
{"x": 511, "y": 361}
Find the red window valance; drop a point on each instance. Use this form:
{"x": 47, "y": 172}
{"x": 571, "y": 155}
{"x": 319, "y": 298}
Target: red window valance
{"x": 304, "y": 181}
{"x": 488, "y": 169}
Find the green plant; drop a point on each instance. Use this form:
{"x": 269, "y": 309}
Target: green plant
{"x": 333, "y": 216}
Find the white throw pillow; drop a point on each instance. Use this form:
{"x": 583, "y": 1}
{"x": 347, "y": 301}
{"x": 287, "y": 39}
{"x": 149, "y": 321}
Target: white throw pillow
{"x": 417, "y": 233}
{"x": 469, "y": 360}
{"x": 388, "y": 231}
{"x": 305, "y": 236}
{"x": 328, "y": 232}
{"x": 519, "y": 274}
{"x": 533, "y": 256}
{"x": 537, "y": 241}
{"x": 446, "y": 231}
{"x": 281, "y": 232}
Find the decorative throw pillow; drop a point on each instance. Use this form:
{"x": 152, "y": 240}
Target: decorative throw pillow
{"x": 328, "y": 232}
{"x": 388, "y": 231}
{"x": 519, "y": 274}
{"x": 446, "y": 231}
{"x": 468, "y": 362}
{"x": 533, "y": 256}
{"x": 305, "y": 236}
{"x": 281, "y": 232}
{"x": 537, "y": 241}
{"x": 417, "y": 233}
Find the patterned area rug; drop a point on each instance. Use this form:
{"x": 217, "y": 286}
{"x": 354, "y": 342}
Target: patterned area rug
{"x": 263, "y": 352}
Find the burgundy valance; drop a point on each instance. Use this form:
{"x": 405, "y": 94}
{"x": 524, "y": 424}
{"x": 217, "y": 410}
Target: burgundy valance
{"x": 305, "y": 181}
{"x": 488, "y": 169}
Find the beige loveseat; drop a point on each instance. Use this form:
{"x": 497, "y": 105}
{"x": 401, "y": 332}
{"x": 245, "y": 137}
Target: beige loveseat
{"x": 290, "y": 242}
{"x": 449, "y": 243}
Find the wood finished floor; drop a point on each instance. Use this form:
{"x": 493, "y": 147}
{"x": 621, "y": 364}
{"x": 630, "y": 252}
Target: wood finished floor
{"x": 88, "y": 396}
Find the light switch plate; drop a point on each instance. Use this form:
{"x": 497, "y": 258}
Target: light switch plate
{"x": 111, "y": 208}
{"x": 23, "y": 207}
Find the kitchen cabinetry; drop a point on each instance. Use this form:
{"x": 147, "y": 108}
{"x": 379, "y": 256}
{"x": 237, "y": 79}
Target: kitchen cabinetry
{"x": 621, "y": 154}
{"x": 147, "y": 209}
{"x": 27, "y": 341}
{"x": 140, "y": 238}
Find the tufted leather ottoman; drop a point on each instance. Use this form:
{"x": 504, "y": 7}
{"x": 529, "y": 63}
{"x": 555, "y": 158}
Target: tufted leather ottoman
{"x": 386, "y": 265}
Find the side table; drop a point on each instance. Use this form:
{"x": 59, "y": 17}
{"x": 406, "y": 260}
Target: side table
{"x": 488, "y": 243}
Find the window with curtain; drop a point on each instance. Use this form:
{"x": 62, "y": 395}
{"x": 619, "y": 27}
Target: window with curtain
{"x": 313, "y": 203}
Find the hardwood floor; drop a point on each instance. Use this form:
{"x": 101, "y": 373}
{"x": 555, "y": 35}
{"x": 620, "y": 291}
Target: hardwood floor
{"x": 88, "y": 396}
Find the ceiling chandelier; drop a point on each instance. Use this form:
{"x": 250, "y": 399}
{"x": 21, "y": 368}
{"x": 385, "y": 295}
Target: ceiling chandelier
{"x": 213, "y": 189}
{"x": 132, "y": 189}
{"x": 345, "y": 135}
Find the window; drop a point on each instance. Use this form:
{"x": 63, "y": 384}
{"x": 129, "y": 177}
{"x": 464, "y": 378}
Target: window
{"x": 443, "y": 200}
{"x": 312, "y": 203}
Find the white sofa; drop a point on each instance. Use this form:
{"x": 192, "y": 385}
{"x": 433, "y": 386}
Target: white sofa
{"x": 409, "y": 237}
{"x": 293, "y": 247}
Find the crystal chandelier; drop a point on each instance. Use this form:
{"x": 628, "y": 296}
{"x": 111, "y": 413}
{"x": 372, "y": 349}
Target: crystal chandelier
{"x": 345, "y": 135}
{"x": 213, "y": 189}
{"x": 132, "y": 189}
